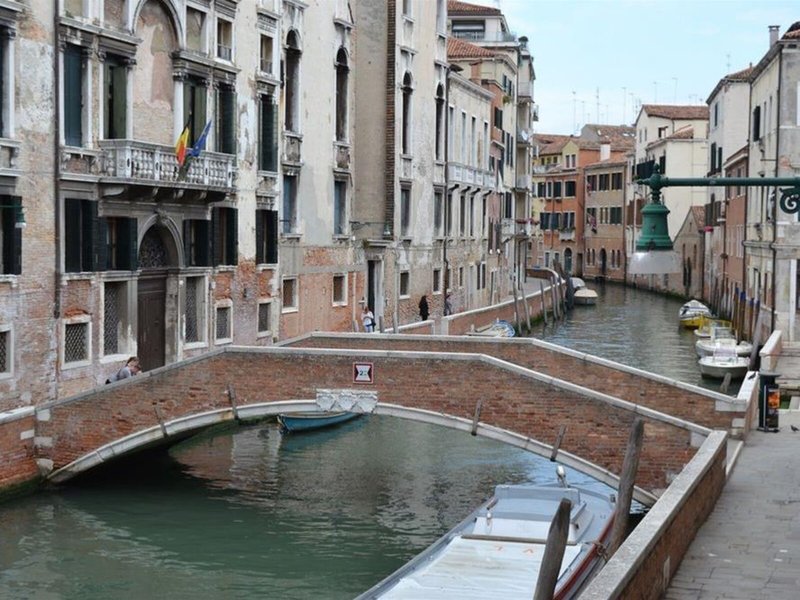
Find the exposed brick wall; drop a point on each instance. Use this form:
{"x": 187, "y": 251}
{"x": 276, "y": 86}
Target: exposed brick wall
{"x": 663, "y": 397}
{"x": 17, "y": 465}
{"x": 511, "y": 401}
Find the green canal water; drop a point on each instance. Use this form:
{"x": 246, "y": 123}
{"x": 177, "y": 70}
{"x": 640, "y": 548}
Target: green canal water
{"x": 248, "y": 513}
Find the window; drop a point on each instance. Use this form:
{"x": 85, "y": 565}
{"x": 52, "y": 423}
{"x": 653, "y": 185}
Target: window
{"x": 268, "y": 134}
{"x": 461, "y": 277}
{"x": 73, "y": 95}
{"x": 81, "y": 237}
{"x": 266, "y": 237}
{"x": 224, "y": 39}
{"x": 716, "y": 114}
{"x": 226, "y": 120}
{"x": 616, "y": 181}
{"x": 469, "y": 30}
{"x": 713, "y": 161}
{"x": 120, "y": 250}
{"x": 291, "y": 88}
{"x": 448, "y": 216}
{"x": 472, "y": 216}
{"x": 406, "y": 8}
{"x": 223, "y": 325}
{"x": 404, "y": 284}
{"x": 194, "y": 311}
{"x": 508, "y": 206}
{"x": 194, "y": 107}
{"x": 196, "y": 243}
{"x": 756, "y": 123}
{"x": 569, "y": 189}
{"x": 195, "y": 30}
{"x": 603, "y": 182}
{"x": 342, "y": 72}
{"x": 473, "y": 142}
{"x": 115, "y": 84}
{"x": 6, "y": 350}
{"x": 437, "y": 281}
{"x": 264, "y": 317}
{"x": 289, "y": 204}
{"x": 10, "y": 236}
{"x": 224, "y": 236}
{"x": 405, "y": 212}
{"x": 498, "y": 118}
{"x": 289, "y": 294}
{"x": 266, "y": 52}
{"x": 77, "y": 349}
{"x": 339, "y": 290}
{"x": 439, "y": 141}
{"x": 556, "y": 189}
{"x": 405, "y": 125}
{"x": 437, "y": 213}
{"x": 339, "y": 207}
{"x": 115, "y": 317}
{"x": 462, "y": 215}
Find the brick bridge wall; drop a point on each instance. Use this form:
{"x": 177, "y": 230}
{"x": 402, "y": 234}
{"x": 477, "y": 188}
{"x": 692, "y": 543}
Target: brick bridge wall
{"x": 684, "y": 401}
{"x": 513, "y": 399}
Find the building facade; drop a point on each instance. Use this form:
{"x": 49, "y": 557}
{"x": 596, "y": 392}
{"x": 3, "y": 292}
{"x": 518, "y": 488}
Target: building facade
{"x": 604, "y": 223}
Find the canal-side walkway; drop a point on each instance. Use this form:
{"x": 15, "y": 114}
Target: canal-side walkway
{"x": 750, "y": 546}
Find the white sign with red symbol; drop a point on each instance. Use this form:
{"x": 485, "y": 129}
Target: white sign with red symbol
{"x": 363, "y": 373}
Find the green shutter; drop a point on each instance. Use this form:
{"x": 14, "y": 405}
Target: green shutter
{"x": 73, "y": 96}
{"x": 119, "y": 101}
{"x": 88, "y": 227}
{"x": 202, "y": 243}
{"x": 102, "y": 260}
{"x": 199, "y": 116}
{"x": 232, "y": 237}
{"x": 260, "y": 254}
{"x": 12, "y": 236}
{"x": 187, "y": 243}
{"x": 216, "y": 242}
{"x": 272, "y": 237}
{"x": 132, "y": 244}
{"x": 72, "y": 235}
{"x": 226, "y": 138}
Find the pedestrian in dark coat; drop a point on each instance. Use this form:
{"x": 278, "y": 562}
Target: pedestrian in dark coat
{"x": 423, "y": 308}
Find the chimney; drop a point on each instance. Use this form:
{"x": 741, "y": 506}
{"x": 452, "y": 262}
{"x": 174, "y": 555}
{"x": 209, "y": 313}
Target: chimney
{"x": 773, "y": 34}
{"x": 605, "y": 151}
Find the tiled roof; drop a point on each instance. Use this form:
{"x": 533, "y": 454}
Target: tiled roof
{"x": 671, "y": 111}
{"x": 609, "y": 162}
{"x": 793, "y": 33}
{"x": 550, "y": 143}
{"x": 621, "y": 137}
{"x": 699, "y": 214}
{"x": 455, "y": 7}
{"x": 685, "y": 133}
{"x": 738, "y": 76}
{"x": 457, "y": 48}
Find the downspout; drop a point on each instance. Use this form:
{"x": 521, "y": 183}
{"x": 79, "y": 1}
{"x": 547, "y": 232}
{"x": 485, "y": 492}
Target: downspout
{"x": 446, "y": 194}
{"x": 775, "y": 200}
{"x": 56, "y": 169}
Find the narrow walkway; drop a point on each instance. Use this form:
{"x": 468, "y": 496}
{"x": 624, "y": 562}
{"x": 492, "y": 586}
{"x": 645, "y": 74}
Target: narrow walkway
{"x": 750, "y": 546}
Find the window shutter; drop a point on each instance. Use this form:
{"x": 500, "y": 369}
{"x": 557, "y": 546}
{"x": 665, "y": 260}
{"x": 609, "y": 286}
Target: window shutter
{"x": 260, "y": 254}
{"x": 188, "y": 260}
{"x": 72, "y": 235}
{"x": 227, "y": 139}
{"x": 100, "y": 235}
{"x": 272, "y": 237}
{"x": 757, "y": 123}
{"x": 199, "y": 116}
{"x": 216, "y": 242}
{"x": 202, "y": 243}
{"x": 12, "y": 237}
{"x": 232, "y": 237}
{"x": 73, "y": 95}
{"x": 128, "y": 241}
{"x": 88, "y": 227}
{"x": 119, "y": 100}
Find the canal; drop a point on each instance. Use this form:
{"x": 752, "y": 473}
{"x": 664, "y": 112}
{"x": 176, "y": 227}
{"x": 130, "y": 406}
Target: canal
{"x": 245, "y": 512}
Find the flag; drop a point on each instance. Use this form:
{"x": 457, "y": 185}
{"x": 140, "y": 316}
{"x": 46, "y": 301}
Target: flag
{"x": 201, "y": 141}
{"x": 181, "y": 144}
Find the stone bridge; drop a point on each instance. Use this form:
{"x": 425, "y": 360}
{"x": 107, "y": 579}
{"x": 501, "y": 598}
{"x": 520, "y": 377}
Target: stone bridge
{"x": 519, "y": 394}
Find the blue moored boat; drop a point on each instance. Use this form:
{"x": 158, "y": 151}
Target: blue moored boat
{"x": 306, "y": 421}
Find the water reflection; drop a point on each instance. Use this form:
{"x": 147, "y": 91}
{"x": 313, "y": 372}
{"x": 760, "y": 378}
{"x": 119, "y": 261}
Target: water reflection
{"x": 634, "y": 327}
{"x": 249, "y": 513}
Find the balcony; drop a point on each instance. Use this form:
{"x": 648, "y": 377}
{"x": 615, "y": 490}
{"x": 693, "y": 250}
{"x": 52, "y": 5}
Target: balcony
{"x": 517, "y": 228}
{"x": 523, "y": 182}
{"x": 477, "y": 37}
{"x": 566, "y": 235}
{"x": 341, "y": 155}
{"x": 466, "y": 175}
{"x": 9, "y": 153}
{"x": 292, "y": 147}
{"x": 130, "y": 162}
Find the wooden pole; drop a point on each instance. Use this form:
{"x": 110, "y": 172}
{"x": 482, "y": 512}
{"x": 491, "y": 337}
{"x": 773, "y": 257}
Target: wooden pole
{"x": 625, "y": 493}
{"x": 527, "y": 311}
{"x": 553, "y": 552}
{"x": 516, "y": 308}
{"x": 544, "y": 304}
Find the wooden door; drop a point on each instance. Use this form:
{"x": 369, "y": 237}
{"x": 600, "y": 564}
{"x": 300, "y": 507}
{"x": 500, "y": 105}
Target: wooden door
{"x": 150, "y": 337}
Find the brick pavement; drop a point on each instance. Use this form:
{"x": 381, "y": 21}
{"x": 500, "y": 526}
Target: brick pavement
{"x": 750, "y": 546}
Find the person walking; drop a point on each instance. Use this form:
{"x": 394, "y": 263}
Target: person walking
{"x": 367, "y": 319}
{"x": 423, "y": 308}
{"x": 448, "y": 307}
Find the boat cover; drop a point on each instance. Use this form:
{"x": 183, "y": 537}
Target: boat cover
{"x": 479, "y": 569}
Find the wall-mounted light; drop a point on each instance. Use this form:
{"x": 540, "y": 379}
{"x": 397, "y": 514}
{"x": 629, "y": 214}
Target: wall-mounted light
{"x": 654, "y": 253}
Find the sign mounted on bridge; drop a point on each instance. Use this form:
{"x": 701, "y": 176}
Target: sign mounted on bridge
{"x": 363, "y": 373}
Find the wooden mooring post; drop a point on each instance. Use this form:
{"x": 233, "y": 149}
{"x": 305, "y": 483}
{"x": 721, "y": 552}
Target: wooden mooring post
{"x": 626, "y": 481}
{"x": 527, "y": 310}
{"x": 544, "y": 304}
{"x": 553, "y": 552}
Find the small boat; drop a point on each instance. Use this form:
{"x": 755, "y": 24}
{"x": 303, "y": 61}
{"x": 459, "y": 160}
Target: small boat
{"x": 724, "y": 361}
{"x": 306, "y": 421}
{"x": 707, "y": 326}
{"x": 585, "y": 296}
{"x": 693, "y": 313}
{"x": 497, "y": 551}
{"x": 577, "y": 283}
{"x": 498, "y": 329}
{"x": 721, "y": 336}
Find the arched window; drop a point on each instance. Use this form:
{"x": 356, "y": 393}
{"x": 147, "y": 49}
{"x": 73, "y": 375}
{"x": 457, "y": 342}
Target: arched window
{"x": 439, "y": 121}
{"x": 292, "y": 83}
{"x": 568, "y": 260}
{"x": 342, "y": 71}
{"x": 405, "y": 126}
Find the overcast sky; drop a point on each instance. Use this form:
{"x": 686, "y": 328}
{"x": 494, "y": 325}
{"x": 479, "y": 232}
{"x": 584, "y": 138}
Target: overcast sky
{"x": 632, "y": 52}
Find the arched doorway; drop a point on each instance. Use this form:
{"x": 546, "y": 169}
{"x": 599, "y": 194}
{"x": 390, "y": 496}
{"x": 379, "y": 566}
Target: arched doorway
{"x": 603, "y": 261}
{"x": 568, "y": 260}
{"x": 157, "y": 253}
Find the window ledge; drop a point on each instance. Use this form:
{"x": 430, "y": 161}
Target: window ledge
{"x": 195, "y": 345}
{"x": 225, "y": 269}
{"x": 223, "y": 341}
{"x": 110, "y": 358}
{"x": 263, "y": 334}
{"x": 13, "y": 280}
{"x": 76, "y": 365}
{"x": 339, "y": 304}
{"x": 289, "y": 309}
{"x": 341, "y": 237}
{"x": 291, "y": 236}
{"x": 79, "y": 276}
{"x": 404, "y": 297}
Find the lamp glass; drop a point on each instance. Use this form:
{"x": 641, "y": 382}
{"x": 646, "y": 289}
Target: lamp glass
{"x": 655, "y": 262}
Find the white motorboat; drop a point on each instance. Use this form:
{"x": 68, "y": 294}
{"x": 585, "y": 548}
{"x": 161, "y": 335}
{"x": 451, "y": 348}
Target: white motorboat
{"x": 721, "y": 336}
{"x": 577, "y": 283}
{"x": 693, "y": 314}
{"x": 724, "y": 361}
{"x": 499, "y": 329}
{"x": 497, "y": 551}
{"x": 585, "y": 296}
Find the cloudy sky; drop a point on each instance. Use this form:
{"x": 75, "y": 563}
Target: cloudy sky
{"x": 598, "y": 60}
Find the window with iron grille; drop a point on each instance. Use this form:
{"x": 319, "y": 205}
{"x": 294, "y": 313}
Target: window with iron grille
{"x": 264, "y": 317}
{"x": 113, "y": 297}
{"x": 76, "y": 342}
{"x": 5, "y": 351}
{"x": 194, "y": 310}
{"x": 223, "y": 323}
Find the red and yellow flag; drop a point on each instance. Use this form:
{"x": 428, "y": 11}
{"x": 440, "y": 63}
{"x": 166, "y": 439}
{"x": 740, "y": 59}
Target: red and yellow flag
{"x": 181, "y": 146}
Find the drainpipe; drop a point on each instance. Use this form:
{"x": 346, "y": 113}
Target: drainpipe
{"x": 56, "y": 170}
{"x": 775, "y": 201}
